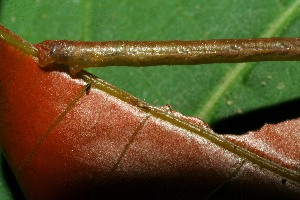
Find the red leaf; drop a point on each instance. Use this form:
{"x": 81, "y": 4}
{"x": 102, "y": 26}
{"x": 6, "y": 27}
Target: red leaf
{"x": 63, "y": 142}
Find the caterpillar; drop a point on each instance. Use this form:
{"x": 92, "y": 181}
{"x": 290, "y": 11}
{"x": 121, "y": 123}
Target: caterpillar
{"x": 78, "y": 55}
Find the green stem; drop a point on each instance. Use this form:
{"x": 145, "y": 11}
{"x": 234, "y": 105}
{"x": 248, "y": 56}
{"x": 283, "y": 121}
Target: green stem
{"x": 17, "y": 42}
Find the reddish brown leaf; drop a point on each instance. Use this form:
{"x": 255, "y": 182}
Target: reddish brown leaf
{"x": 64, "y": 142}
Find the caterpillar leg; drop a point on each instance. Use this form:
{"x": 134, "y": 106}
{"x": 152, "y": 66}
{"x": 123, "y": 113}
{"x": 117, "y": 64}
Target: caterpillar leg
{"x": 75, "y": 69}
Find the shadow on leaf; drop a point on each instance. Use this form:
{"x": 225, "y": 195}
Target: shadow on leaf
{"x": 254, "y": 120}
{"x": 10, "y": 180}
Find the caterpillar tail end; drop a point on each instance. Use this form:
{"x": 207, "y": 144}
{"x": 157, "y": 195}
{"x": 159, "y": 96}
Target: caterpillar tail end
{"x": 75, "y": 69}
{"x": 44, "y": 53}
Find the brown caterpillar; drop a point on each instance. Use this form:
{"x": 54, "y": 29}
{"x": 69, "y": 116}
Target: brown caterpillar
{"x": 78, "y": 55}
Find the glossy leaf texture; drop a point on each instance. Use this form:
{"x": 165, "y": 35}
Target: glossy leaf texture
{"x": 188, "y": 89}
{"x": 212, "y": 92}
{"x": 65, "y": 141}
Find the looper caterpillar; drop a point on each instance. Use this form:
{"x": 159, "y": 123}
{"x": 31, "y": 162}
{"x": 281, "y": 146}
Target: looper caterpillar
{"x": 78, "y": 55}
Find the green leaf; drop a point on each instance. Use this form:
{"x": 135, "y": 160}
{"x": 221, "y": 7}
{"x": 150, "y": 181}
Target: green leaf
{"x": 213, "y": 92}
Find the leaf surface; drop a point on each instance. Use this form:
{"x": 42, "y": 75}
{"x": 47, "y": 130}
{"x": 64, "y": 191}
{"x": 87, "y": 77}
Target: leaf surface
{"x": 191, "y": 90}
{"x": 79, "y": 143}
{"x": 212, "y": 92}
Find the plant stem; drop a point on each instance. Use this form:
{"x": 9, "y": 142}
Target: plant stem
{"x": 17, "y": 41}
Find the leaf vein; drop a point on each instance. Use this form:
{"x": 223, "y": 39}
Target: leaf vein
{"x": 231, "y": 76}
